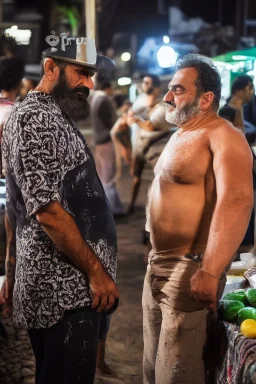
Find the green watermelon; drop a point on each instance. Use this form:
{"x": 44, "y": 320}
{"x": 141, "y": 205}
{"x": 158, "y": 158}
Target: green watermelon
{"x": 228, "y": 309}
{"x": 246, "y": 313}
{"x": 251, "y": 296}
{"x": 238, "y": 295}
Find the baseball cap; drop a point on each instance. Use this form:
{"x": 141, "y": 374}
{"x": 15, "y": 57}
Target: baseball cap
{"x": 77, "y": 50}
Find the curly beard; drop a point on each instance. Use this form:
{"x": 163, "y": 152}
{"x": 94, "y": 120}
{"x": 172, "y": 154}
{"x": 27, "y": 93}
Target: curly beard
{"x": 73, "y": 102}
{"x": 180, "y": 116}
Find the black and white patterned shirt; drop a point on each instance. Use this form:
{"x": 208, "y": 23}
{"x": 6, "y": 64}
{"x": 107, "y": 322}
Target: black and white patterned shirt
{"x": 47, "y": 159}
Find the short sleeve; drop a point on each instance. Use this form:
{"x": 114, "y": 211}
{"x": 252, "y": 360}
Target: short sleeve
{"x": 39, "y": 165}
{"x": 157, "y": 118}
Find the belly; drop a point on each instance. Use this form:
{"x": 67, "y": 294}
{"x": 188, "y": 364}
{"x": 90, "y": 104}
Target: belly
{"x": 180, "y": 216}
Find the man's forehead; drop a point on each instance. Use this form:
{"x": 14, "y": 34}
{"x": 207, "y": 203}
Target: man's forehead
{"x": 185, "y": 76}
{"x": 87, "y": 70}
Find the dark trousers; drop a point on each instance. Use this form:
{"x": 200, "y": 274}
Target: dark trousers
{"x": 66, "y": 352}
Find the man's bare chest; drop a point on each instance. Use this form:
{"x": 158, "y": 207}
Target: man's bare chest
{"x": 186, "y": 159}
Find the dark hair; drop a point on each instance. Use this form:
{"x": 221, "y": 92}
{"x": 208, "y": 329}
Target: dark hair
{"x": 240, "y": 83}
{"x": 105, "y": 84}
{"x": 119, "y": 99}
{"x": 208, "y": 79}
{"x": 227, "y": 113}
{"x": 11, "y": 73}
{"x": 156, "y": 82}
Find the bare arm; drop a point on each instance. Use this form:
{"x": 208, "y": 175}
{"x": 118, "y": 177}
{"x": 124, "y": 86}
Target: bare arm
{"x": 63, "y": 231}
{"x": 146, "y": 124}
{"x": 232, "y": 166}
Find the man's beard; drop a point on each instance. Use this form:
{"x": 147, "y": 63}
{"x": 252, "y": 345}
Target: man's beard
{"x": 149, "y": 91}
{"x": 72, "y": 101}
{"x": 182, "y": 115}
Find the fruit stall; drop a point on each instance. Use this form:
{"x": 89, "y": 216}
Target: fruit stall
{"x": 230, "y": 353}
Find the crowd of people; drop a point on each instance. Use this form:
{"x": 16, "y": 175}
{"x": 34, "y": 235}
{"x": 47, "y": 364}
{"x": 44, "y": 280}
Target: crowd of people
{"x": 62, "y": 202}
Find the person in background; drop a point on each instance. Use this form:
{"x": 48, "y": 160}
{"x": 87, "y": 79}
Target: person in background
{"x": 137, "y": 116}
{"x": 103, "y": 117}
{"x": 11, "y": 74}
{"x": 122, "y": 138}
{"x": 242, "y": 92}
{"x": 150, "y": 133}
{"x": 27, "y": 85}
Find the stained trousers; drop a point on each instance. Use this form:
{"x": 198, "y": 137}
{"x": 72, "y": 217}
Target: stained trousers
{"x": 66, "y": 352}
{"x": 174, "y": 326}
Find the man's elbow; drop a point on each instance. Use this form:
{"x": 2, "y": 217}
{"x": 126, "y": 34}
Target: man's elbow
{"x": 47, "y": 214}
{"x": 244, "y": 201}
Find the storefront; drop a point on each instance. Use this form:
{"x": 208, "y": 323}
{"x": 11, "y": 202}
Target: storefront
{"x": 234, "y": 64}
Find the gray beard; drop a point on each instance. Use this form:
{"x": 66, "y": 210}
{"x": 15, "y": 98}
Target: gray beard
{"x": 181, "y": 116}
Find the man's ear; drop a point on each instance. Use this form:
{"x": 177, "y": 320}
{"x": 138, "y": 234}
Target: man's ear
{"x": 206, "y": 100}
{"x": 51, "y": 69}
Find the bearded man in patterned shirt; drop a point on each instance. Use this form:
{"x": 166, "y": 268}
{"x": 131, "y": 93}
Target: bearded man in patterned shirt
{"x": 57, "y": 211}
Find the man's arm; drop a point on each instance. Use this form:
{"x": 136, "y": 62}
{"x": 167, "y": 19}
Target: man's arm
{"x": 146, "y": 124}
{"x": 63, "y": 231}
{"x": 232, "y": 167}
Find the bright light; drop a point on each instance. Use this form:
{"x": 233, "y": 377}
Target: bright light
{"x": 166, "y": 57}
{"x": 21, "y": 36}
{"x": 126, "y": 56}
{"x": 239, "y": 57}
{"x": 166, "y": 39}
{"x": 124, "y": 81}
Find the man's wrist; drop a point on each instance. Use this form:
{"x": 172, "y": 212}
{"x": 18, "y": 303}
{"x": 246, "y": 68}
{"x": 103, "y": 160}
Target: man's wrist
{"x": 94, "y": 268}
{"x": 210, "y": 273}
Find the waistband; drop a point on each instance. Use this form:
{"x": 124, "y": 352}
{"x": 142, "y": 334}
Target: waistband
{"x": 167, "y": 254}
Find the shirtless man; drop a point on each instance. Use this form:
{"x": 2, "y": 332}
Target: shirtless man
{"x": 198, "y": 211}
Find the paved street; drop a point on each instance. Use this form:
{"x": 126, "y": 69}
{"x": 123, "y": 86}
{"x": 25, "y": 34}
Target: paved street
{"x": 124, "y": 343}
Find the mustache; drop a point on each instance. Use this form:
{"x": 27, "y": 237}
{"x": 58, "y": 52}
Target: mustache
{"x": 171, "y": 103}
{"x": 84, "y": 90}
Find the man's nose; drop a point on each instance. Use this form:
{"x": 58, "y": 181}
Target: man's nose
{"x": 168, "y": 96}
{"x": 88, "y": 82}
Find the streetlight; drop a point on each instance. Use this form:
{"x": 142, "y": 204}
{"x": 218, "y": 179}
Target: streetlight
{"x": 126, "y": 56}
{"x": 166, "y": 56}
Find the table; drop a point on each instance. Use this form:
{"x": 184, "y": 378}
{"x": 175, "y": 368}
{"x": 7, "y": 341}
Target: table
{"x": 230, "y": 358}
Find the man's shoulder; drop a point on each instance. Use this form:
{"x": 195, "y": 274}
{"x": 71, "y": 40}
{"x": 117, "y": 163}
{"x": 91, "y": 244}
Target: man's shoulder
{"x": 37, "y": 103}
{"x": 36, "y": 108}
{"x": 221, "y": 126}
{"x": 225, "y": 135}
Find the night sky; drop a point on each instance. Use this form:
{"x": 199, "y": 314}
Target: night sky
{"x": 142, "y": 18}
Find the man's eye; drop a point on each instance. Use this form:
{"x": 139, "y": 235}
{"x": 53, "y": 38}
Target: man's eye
{"x": 178, "y": 90}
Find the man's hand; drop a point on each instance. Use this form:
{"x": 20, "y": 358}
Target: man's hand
{"x": 132, "y": 119}
{"x": 7, "y": 309}
{"x": 204, "y": 288}
{"x": 104, "y": 290}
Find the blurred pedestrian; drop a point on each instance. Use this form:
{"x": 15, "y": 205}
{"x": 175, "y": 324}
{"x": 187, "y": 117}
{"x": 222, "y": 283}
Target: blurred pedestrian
{"x": 65, "y": 236}
{"x": 11, "y": 73}
{"x": 103, "y": 117}
{"x": 242, "y": 92}
{"x": 27, "y": 85}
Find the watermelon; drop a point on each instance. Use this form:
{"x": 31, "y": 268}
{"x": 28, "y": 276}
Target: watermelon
{"x": 228, "y": 309}
{"x": 238, "y": 295}
{"x": 251, "y": 296}
{"x": 246, "y": 313}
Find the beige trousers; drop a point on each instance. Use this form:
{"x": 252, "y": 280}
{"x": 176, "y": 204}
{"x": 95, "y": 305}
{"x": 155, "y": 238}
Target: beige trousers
{"x": 174, "y": 325}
